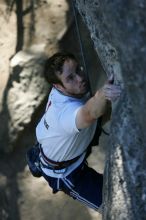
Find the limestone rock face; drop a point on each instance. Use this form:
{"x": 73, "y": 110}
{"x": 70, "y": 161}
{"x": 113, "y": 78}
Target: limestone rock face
{"x": 118, "y": 31}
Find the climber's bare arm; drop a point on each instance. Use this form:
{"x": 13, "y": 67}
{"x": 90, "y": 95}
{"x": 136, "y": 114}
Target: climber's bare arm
{"x": 97, "y": 105}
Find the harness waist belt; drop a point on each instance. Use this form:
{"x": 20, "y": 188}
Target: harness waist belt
{"x": 58, "y": 165}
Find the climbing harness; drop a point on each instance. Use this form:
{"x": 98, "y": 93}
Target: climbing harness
{"x": 33, "y": 158}
{"x": 57, "y": 165}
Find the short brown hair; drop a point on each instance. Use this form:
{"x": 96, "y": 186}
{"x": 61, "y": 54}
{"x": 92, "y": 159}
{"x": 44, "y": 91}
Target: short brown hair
{"x": 54, "y": 64}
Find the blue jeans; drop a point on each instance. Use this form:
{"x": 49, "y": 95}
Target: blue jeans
{"x": 83, "y": 184}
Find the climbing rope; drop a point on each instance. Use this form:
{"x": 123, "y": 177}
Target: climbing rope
{"x": 82, "y": 51}
{"x": 80, "y": 42}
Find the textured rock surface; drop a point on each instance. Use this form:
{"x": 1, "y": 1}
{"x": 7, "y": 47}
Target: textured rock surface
{"x": 25, "y": 91}
{"x": 117, "y": 29}
{"x": 29, "y": 31}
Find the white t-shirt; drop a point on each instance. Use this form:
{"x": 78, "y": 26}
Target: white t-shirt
{"x": 60, "y": 139}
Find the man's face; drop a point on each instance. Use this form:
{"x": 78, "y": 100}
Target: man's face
{"x": 73, "y": 79}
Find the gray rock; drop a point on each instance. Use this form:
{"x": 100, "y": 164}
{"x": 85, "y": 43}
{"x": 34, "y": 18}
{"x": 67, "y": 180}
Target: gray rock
{"x": 25, "y": 91}
{"x": 118, "y": 31}
{"x": 34, "y": 27}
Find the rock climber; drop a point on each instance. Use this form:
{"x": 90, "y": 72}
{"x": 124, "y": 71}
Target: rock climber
{"x": 69, "y": 125}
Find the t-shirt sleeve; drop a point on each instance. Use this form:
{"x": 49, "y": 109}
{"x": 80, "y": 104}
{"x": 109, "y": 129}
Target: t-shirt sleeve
{"x": 67, "y": 118}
